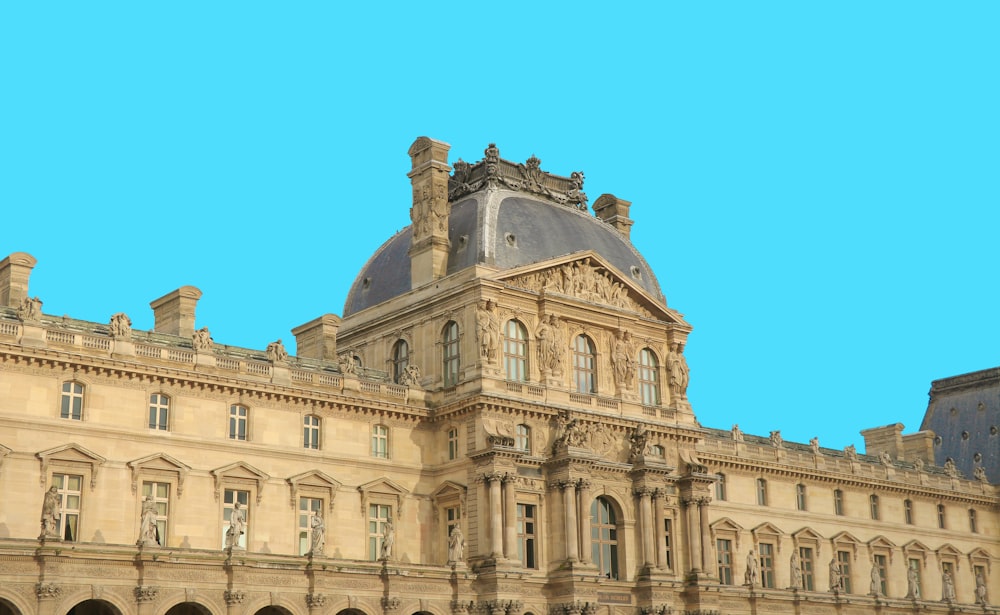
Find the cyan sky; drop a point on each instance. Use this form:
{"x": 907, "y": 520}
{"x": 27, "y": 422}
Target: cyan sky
{"x": 815, "y": 183}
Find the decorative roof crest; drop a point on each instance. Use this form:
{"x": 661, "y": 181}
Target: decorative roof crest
{"x": 493, "y": 172}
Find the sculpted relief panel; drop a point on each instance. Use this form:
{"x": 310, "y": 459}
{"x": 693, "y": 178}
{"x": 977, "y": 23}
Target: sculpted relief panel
{"x": 583, "y": 281}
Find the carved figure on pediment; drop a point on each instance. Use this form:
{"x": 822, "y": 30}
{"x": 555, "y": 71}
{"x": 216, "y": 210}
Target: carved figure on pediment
{"x": 814, "y": 445}
{"x": 318, "y": 542}
{"x": 51, "y": 511}
{"x": 982, "y": 597}
{"x": 237, "y": 526}
{"x": 737, "y": 433}
{"x": 776, "y": 440}
{"x": 638, "y": 440}
{"x": 912, "y": 583}
{"x": 851, "y": 452}
{"x": 487, "y": 328}
{"x": 575, "y": 193}
{"x": 623, "y": 361}
{"x": 120, "y": 326}
{"x": 947, "y": 587}
{"x": 601, "y": 440}
{"x": 30, "y": 309}
{"x": 679, "y": 373}
{"x": 752, "y": 575}
{"x": 276, "y": 352}
{"x": 388, "y": 539}
{"x": 149, "y": 535}
{"x": 202, "y": 340}
{"x": 980, "y": 474}
{"x": 456, "y": 546}
{"x": 795, "y": 566}
{"x": 950, "y": 468}
{"x": 410, "y": 376}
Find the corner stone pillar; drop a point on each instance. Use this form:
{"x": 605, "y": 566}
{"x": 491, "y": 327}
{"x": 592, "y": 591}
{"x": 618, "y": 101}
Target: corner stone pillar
{"x": 510, "y": 516}
{"x": 496, "y": 514}
{"x": 646, "y": 527}
{"x": 173, "y": 313}
{"x": 569, "y": 518}
{"x": 430, "y": 211}
{"x": 14, "y": 273}
{"x": 317, "y": 339}
{"x": 659, "y": 531}
{"x": 583, "y": 494}
{"x": 694, "y": 534}
{"x": 707, "y": 548}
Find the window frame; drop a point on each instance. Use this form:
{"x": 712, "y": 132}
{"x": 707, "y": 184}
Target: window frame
{"x": 844, "y": 563}
{"x": 72, "y": 398}
{"x": 908, "y": 511}
{"x": 400, "y": 360}
{"x": 515, "y": 351}
{"x": 380, "y": 441}
{"x": 807, "y": 564}
{"x": 66, "y": 511}
{"x": 604, "y": 538}
{"x": 838, "y": 502}
{"x": 162, "y": 518}
{"x": 720, "y": 488}
{"x": 527, "y": 534}
{"x": 312, "y": 432}
{"x": 725, "y": 560}
{"x": 522, "y": 438}
{"x": 451, "y": 353}
{"x": 649, "y": 378}
{"x": 159, "y": 411}
{"x": 765, "y": 556}
{"x": 874, "y": 507}
{"x": 376, "y": 522}
{"x": 313, "y": 507}
{"x": 942, "y": 517}
{"x": 234, "y": 494}
{"x": 235, "y": 419}
{"x": 761, "y": 491}
{"x": 453, "y": 449}
{"x": 800, "y": 497}
{"x": 584, "y": 365}
{"x": 881, "y": 561}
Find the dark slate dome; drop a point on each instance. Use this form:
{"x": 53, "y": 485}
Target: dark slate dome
{"x": 503, "y": 229}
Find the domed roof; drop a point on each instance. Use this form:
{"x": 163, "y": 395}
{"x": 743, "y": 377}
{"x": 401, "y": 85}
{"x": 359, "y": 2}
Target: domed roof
{"x": 504, "y": 229}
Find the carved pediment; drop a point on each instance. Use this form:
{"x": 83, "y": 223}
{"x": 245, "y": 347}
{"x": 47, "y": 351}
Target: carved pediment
{"x": 159, "y": 463}
{"x": 449, "y": 492}
{"x": 766, "y": 529}
{"x": 239, "y": 471}
{"x": 385, "y": 490}
{"x": 915, "y": 547}
{"x": 806, "y": 534}
{"x": 70, "y": 454}
{"x": 881, "y": 542}
{"x": 726, "y": 527}
{"x": 948, "y": 550}
{"x": 585, "y": 276}
{"x": 313, "y": 479}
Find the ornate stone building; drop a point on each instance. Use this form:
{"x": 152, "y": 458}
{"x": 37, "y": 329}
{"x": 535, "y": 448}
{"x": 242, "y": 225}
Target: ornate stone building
{"x": 497, "y": 426}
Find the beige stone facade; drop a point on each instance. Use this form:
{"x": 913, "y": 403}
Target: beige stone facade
{"x": 530, "y": 393}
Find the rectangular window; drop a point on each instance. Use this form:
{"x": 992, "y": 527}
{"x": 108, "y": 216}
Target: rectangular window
{"x": 526, "y": 535}
{"x": 238, "y": 422}
{"x": 308, "y": 508}
{"x": 880, "y": 564}
{"x": 720, "y": 488}
{"x": 380, "y": 441}
{"x": 873, "y": 501}
{"x": 800, "y": 496}
{"x": 452, "y": 360}
{"x": 378, "y": 523}
{"x": 940, "y": 515}
{"x": 761, "y": 492}
{"x": 160, "y": 494}
{"x": 666, "y": 538}
{"x": 844, "y": 559}
{"x": 310, "y": 432}
{"x": 70, "y": 488}
{"x": 806, "y": 562}
{"x": 724, "y": 549}
{"x": 72, "y": 401}
{"x": 914, "y": 578}
{"x": 522, "y": 438}
{"x": 159, "y": 410}
{"x": 908, "y": 512}
{"x": 973, "y": 526}
{"x": 452, "y": 444}
{"x": 838, "y": 502}
{"x": 766, "y": 565}
{"x": 231, "y": 497}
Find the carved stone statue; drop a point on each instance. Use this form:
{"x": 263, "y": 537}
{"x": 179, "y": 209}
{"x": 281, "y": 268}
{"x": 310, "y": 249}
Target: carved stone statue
{"x": 875, "y": 589}
{"x": 679, "y": 374}
{"x": 912, "y": 584}
{"x": 388, "y": 538}
{"x": 346, "y": 363}
{"x": 737, "y": 433}
{"x": 947, "y": 587}
{"x": 237, "y": 526}
{"x": 120, "y": 326}
{"x": 148, "y": 532}
{"x": 776, "y": 440}
{"x": 918, "y": 464}
{"x": 51, "y": 511}
{"x": 981, "y": 596}
{"x": 202, "y": 340}
{"x": 410, "y": 376}
{"x": 487, "y": 328}
{"x": 456, "y": 546}
{"x": 276, "y": 352}
{"x": 950, "y": 468}
{"x": 30, "y": 309}
{"x": 814, "y": 445}
{"x": 623, "y": 360}
{"x": 980, "y": 474}
{"x": 637, "y": 444}
{"x": 318, "y": 535}
{"x": 850, "y": 452}
{"x": 836, "y": 577}
{"x": 795, "y": 568}
{"x": 550, "y": 350}
{"x": 752, "y": 575}
{"x": 575, "y": 192}
{"x": 885, "y": 458}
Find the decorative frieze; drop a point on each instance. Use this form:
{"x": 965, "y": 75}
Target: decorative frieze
{"x": 145, "y": 593}
{"x": 234, "y": 596}
{"x": 573, "y": 608}
{"x": 315, "y": 600}
{"x": 46, "y": 591}
{"x": 390, "y": 604}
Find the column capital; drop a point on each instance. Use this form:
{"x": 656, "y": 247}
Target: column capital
{"x": 643, "y": 492}
{"x": 488, "y": 477}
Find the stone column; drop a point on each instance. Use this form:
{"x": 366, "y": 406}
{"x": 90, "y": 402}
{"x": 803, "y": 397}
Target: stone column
{"x": 569, "y": 505}
{"x": 496, "y": 516}
{"x": 661, "y": 541}
{"x": 583, "y": 512}
{"x": 707, "y": 550}
{"x": 646, "y": 526}
{"x": 694, "y": 534}
{"x": 510, "y": 516}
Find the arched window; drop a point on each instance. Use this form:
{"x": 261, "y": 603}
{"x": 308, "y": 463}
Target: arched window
{"x": 310, "y": 431}
{"x": 72, "y": 401}
{"x": 649, "y": 379}
{"x": 159, "y": 411}
{"x": 584, "y": 365}
{"x": 522, "y": 438}
{"x": 400, "y": 360}
{"x": 515, "y": 351}
{"x": 604, "y": 537}
{"x": 449, "y": 342}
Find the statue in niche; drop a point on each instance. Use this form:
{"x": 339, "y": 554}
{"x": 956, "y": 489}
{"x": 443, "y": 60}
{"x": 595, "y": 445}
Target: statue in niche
{"x": 149, "y": 535}
{"x": 947, "y": 587}
{"x": 876, "y": 584}
{"x": 795, "y": 566}
{"x": 912, "y": 584}
{"x": 637, "y": 444}
{"x": 120, "y": 326}
{"x": 752, "y": 575}
{"x": 623, "y": 361}
{"x": 410, "y": 376}
{"x": 201, "y": 340}
{"x": 679, "y": 373}
{"x": 550, "y": 344}
{"x": 776, "y": 440}
{"x": 836, "y": 577}
{"x": 981, "y": 597}
{"x": 487, "y": 328}
{"x": 388, "y": 538}
{"x": 276, "y": 352}
{"x": 737, "y": 433}
{"x": 318, "y": 534}
{"x": 237, "y": 526}
{"x": 950, "y": 468}
{"x": 30, "y": 309}
{"x": 814, "y": 445}
{"x": 456, "y": 546}
{"x": 51, "y": 511}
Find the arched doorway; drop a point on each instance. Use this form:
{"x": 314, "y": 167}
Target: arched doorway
{"x": 273, "y": 610}
{"x": 94, "y": 607}
{"x": 188, "y": 608}
{"x": 351, "y": 612}
{"x": 7, "y": 608}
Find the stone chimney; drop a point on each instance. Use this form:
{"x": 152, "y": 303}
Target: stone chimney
{"x": 614, "y": 211}
{"x": 317, "y": 339}
{"x": 429, "y": 213}
{"x": 919, "y": 445}
{"x": 888, "y": 439}
{"x": 14, "y": 273}
{"x": 173, "y": 313}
